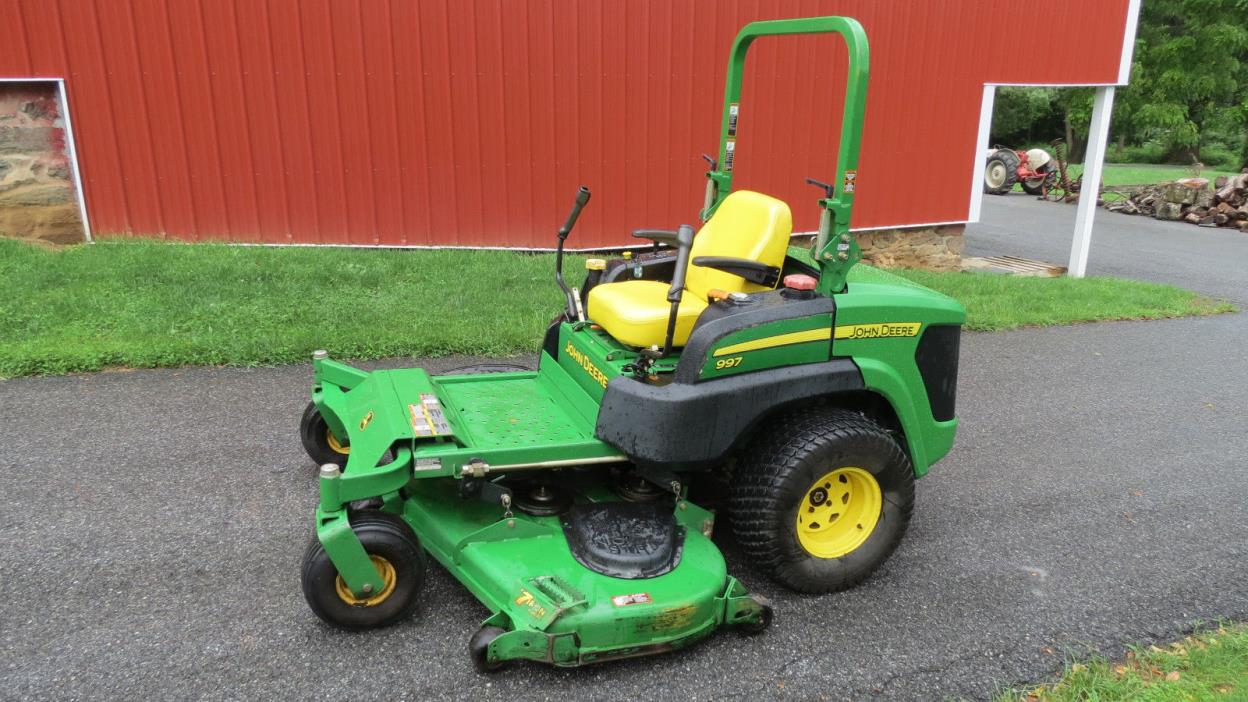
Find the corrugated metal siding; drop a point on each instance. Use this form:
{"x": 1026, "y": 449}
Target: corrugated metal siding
{"x": 472, "y": 122}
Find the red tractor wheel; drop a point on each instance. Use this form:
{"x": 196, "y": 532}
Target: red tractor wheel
{"x": 1001, "y": 172}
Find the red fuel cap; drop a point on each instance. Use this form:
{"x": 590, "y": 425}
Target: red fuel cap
{"x": 800, "y": 281}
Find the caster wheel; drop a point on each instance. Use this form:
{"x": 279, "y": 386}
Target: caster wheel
{"x": 479, "y": 649}
{"x": 319, "y": 442}
{"x": 395, "y": 552}
{"x": 757, "y": 627}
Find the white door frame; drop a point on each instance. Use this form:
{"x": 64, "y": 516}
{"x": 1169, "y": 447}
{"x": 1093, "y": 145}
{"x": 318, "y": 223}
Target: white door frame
{"x": 1094, "y": 157}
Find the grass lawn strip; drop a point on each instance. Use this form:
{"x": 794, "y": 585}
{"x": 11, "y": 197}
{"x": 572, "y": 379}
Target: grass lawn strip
{"x": 142, "y": 304}
{"x": 1141, "y": 174}
{"x": 1211, "y": 665}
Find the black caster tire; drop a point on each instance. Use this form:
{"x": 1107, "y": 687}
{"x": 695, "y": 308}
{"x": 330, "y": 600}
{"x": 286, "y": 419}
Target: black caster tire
{"x": 479, "y": 649}
{"x": 821, "y": 499}
{"x": 757, "y": 627}
{"x": 396, "y": 553}
{"x": 319, "y": 442}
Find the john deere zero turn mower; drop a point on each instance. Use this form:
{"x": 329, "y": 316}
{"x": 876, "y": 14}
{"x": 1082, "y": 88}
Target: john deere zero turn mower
{"x": 560, "y": 497}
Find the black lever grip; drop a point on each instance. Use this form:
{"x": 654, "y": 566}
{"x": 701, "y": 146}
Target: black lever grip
{"x": 582, "y": 197}
{"x": 684, "y": 243}
{"x": 830, "y": 190}
{"x": 711, "y": 160}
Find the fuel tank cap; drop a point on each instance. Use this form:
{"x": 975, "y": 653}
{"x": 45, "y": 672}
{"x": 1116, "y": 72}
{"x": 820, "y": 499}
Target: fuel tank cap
{"x": 800, "y": 281}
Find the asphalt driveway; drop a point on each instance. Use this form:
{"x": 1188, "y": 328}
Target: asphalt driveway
{"x": 153, "y": 523}
{"x": 1208, "y": 260}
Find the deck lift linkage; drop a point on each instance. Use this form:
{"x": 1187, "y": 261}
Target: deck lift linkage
{"x": 561, "y": 497}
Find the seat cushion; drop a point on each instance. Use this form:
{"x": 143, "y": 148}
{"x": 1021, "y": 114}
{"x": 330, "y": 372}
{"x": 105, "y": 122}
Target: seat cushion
{"x": 746, "y": 225}
{"x": 635, "y": 312}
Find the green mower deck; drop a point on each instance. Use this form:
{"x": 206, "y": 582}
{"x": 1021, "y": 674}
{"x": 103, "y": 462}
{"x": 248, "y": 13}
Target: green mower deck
{"x": 558, "y": 611}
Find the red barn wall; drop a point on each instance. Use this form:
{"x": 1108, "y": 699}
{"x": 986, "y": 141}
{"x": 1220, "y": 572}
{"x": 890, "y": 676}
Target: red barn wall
{"x": 470, "y": 123}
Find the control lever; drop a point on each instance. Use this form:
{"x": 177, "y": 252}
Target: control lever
{"x": 712, "y": 188}
{"x": 829, "y": 190}
{"x": 573, "y": 307}
{"x": 825, "y": 217}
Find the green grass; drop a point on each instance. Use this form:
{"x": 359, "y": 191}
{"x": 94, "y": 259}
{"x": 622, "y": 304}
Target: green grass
{"x": 994, "y": 302}
{"x": 1142, "y": 174}
{"x": 149, "y": 304}
{"x": 1212, "y": 665}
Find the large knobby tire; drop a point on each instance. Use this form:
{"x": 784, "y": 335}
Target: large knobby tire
{"x": 1035, "y": 186}
{"x": 396, "y": 553}
{"x": 319, "y": 442}
{"x": 1001, "y": 172}
{"x": 824, "y": 465}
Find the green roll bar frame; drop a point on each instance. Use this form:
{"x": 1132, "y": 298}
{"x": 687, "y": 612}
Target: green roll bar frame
{"x": 834, "y": 250}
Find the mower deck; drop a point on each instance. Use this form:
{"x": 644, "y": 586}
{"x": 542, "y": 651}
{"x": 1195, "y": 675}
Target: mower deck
{"x": 556, "y": 610}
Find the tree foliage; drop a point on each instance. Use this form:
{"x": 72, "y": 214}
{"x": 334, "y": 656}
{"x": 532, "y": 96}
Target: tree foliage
{"x": 1190, "y": 72}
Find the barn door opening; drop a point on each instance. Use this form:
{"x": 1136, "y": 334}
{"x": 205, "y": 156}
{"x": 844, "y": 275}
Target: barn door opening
{"x": 40, "y": 188}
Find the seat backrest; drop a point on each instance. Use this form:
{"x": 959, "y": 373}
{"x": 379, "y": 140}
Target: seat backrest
{"x": 746, "y": 225}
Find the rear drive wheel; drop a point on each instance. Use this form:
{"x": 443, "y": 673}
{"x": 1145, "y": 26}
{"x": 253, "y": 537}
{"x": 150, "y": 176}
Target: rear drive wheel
{"x": 396, "y": 554}
{"x": 821, "y": 499}
{"x": 1001, "y": 172}
{"x": 319, "y": 441}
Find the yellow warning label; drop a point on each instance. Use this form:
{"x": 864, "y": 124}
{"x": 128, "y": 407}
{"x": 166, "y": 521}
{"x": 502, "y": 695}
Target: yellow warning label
{"x": 878, "y": 331}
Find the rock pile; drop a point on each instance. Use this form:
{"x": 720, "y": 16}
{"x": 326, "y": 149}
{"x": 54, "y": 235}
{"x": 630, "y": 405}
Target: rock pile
{"x": 1190, "y": 200}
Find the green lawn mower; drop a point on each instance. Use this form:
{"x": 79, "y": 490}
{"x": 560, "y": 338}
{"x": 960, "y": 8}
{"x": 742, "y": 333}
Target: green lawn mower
{"x": 560, "y": 497}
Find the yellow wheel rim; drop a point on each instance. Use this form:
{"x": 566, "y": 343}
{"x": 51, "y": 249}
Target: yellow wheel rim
{"x": 839, "y": 512}
{"x": 388, "y": 579}
{"x": 334, "y": 445}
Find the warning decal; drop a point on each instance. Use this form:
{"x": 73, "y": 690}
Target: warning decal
{"x": 851, "y": 179}
{"x": 637, "y": 598}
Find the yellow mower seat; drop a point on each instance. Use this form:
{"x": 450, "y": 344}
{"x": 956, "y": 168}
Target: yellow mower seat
{"x": 746, "y": 225}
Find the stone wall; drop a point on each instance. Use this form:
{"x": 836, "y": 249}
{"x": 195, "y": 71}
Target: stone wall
{"x": 37, "y": 199}
{"x": 929, "y": 248}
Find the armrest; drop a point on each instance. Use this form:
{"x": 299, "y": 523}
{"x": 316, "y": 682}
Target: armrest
{"x": 752, "y": 271}
{"x": 658, "y": 236}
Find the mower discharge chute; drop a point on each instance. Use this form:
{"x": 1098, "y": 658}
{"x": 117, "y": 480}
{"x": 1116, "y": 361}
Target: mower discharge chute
{"x": 560, "y": 497}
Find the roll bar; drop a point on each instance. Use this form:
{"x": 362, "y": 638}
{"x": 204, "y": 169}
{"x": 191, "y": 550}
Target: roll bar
{"x": 835, "y": 250}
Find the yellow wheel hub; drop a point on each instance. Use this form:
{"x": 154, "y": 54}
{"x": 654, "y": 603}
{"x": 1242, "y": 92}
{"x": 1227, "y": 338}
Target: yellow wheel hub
{"x": 334, "y": 445}
{"x": 388, "y": 579}
{"x": 839, "y": 512}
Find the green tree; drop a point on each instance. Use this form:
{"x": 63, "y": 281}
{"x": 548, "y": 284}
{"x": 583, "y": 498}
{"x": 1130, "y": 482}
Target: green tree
{"x": 1019, "y": 113}
{"x": 1190, "y": 73}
